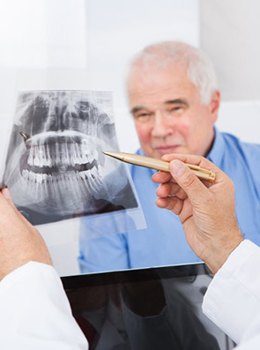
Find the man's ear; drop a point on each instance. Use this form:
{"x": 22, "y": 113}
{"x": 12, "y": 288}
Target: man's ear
{"x": 214, "y": 105}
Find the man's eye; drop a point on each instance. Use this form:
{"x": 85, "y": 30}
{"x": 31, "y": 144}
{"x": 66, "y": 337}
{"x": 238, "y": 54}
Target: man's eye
{"x": 176, "y": 109}
{"x": 142, "y": 117}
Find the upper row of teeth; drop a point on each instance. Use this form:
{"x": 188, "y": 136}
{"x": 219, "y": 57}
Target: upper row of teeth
{"x": 67, "y": 154}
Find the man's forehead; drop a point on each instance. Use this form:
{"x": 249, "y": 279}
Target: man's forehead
{"x": 155, "y": 80}
{"x": 154, "y": 91}
{"x": 156, "y": 73}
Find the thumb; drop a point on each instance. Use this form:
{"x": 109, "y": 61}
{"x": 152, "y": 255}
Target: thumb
{"x": 188, "y": 181}
{"x": 7, "y": 196}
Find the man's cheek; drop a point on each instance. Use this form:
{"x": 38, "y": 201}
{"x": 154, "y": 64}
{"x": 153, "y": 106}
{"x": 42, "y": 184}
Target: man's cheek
{"x": 143, "y": 134}
{"x": 185, "y": 130}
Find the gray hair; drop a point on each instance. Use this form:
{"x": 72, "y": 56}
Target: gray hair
{"x": 200, "y": 69}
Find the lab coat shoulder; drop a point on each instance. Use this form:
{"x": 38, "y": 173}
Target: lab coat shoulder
{"x": 232, "y": 300}
{"x": 35, "y": 312}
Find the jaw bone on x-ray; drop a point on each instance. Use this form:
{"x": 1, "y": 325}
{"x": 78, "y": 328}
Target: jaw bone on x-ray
{"x": 55, "y": 168}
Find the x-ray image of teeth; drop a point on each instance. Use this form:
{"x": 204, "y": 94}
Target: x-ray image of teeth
{"x": 55, "y": 168}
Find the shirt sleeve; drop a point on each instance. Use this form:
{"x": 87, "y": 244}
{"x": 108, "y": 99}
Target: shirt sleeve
{"x": 232, "y": 300}
{"x": 35, "y": 312}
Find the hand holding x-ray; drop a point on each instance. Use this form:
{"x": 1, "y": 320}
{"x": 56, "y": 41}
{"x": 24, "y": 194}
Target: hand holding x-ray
{"x": 20, "y": 241}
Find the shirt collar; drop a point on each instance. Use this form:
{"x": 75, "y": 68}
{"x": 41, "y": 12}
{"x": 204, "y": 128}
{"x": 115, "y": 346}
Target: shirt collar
{"x": 140, "y": 152}
{"x": 218, "y": 147}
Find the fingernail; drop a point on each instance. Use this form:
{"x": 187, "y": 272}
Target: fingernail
{"x": 6, "y": 193}
{"x": 177, "y": 167}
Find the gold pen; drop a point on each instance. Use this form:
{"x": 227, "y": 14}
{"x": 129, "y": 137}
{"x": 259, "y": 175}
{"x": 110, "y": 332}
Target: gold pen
{"x": 157, "y": 164}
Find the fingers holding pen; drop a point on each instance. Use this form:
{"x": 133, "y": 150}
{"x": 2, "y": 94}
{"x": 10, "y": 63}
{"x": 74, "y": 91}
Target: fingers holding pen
{"x": 170, "y": 194}
{"x": 181, "y": 174}
{"x": 201, "y": 162}
{"x": 173, "y": 204}
{"x": 191, "y": 159}
{"x": 180, "y": 207}
{"x": 170, "y": 189}
{"x": 196, "y": 164}
{"x": 162, "y": 177}
{"x": 180, "y": 182}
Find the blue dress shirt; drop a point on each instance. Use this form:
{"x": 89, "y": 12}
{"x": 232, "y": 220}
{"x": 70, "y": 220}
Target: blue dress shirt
{"x": 163, "y": 241}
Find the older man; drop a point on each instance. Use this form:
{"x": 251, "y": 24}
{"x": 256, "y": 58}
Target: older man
{"x": 174, "y": 101}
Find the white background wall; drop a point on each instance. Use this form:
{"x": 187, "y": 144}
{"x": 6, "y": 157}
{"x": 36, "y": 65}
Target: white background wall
{"x": 86, "y": 44}
{"x": 229, "y": 33}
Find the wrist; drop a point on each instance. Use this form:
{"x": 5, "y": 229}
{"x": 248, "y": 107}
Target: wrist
{"x": 221, "y": 252}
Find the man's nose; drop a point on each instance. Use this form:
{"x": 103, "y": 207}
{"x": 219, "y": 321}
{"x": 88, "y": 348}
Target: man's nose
{"x": 161, "y": 125}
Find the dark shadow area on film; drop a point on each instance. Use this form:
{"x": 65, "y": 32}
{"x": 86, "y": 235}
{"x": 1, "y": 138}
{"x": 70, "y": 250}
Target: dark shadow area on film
{"x": 149, "y": 309}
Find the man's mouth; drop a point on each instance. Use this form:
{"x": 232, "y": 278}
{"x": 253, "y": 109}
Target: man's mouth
{"x": 167, "y": 149}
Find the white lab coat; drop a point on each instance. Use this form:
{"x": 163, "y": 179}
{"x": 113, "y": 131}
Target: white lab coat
{"x": 35, "y": 312}
{"x": 232, "y": 301}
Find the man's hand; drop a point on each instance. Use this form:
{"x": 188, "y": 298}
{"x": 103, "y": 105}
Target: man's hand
{"x": 206, "y": 210}
{"x": 20, "y": 242}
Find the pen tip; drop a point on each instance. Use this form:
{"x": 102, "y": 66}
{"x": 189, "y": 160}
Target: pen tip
{"x": 112, "y": 154}
{"x": 107, "y": 153}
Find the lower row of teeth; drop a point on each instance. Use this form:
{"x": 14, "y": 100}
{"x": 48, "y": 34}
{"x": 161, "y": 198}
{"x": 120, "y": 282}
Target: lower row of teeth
{"x": 89, "y": 178}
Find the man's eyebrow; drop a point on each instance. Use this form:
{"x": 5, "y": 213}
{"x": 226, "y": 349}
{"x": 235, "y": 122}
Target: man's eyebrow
{"x": 179, "y": 101}
{"x": 137, "y": 109}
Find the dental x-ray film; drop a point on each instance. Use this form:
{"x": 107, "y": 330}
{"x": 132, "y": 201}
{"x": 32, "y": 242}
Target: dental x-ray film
{"x": 55, "y": 168}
